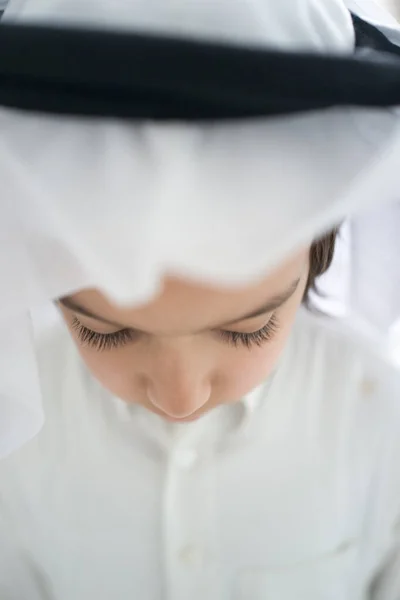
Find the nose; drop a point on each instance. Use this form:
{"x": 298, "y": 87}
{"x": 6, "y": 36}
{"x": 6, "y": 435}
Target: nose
{"x": 178, "y": 384}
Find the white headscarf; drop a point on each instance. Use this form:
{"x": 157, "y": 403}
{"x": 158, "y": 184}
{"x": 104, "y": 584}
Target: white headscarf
{"x": 114, "y": 205}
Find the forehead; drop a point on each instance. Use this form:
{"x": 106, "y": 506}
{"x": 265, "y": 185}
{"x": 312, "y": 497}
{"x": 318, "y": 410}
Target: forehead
{"x": 185, "y": 306}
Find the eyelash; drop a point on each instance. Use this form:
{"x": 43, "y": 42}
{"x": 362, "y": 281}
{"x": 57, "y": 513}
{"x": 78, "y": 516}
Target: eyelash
{"x": 256, "y": 338}
{"x": 109, "y": 341}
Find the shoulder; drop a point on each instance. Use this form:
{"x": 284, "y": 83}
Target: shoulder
{"x": 349, "y": 364}
{"x": 345, "y": 338}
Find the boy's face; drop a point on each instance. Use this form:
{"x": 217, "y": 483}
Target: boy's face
{"x": 192, "y": 347}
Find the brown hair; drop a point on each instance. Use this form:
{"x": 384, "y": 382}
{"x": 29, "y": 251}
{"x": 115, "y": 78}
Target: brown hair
{"x": 321, "y": 255}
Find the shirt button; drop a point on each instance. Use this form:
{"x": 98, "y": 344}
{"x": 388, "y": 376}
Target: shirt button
{"x": 186, "y": 459}
{"x": 368, "y": 387}
{"x": 191, "y": 555}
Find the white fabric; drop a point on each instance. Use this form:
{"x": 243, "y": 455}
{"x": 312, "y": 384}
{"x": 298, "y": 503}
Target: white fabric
{"x": 363, "y": 283}
{"x": 378, "y": 12}
{"x": 364, "y": 280}
{"x": 218, "y": 202}
{"x": 375, "y": 291}
{"x": 296, "y": 24}
{"x": 293, "y": 494}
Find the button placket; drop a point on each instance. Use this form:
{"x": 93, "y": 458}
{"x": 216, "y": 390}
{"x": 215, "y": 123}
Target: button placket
{"x": 185, "y": 458}
{"x": 189, "y": 515}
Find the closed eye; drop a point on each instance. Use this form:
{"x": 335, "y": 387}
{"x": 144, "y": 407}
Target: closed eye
{"x": 255, "y": 338}
{"x": 103, "y": 341}
{"x": 122, "y": 337}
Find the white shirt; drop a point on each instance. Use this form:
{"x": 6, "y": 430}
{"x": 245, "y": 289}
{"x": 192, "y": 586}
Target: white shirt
{"x": 293, "y": 493}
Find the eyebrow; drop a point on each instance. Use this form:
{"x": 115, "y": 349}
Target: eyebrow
{"x": 271, "y": 305}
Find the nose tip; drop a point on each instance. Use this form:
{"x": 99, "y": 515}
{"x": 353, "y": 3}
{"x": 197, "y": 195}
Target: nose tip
{"x": 178, "y": 404}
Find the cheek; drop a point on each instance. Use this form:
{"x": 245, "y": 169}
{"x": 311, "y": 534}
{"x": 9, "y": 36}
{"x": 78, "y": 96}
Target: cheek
{"x": 245, "y": 369}
{"x": 115, "y": 369}
{"x": 236, "y": 371}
